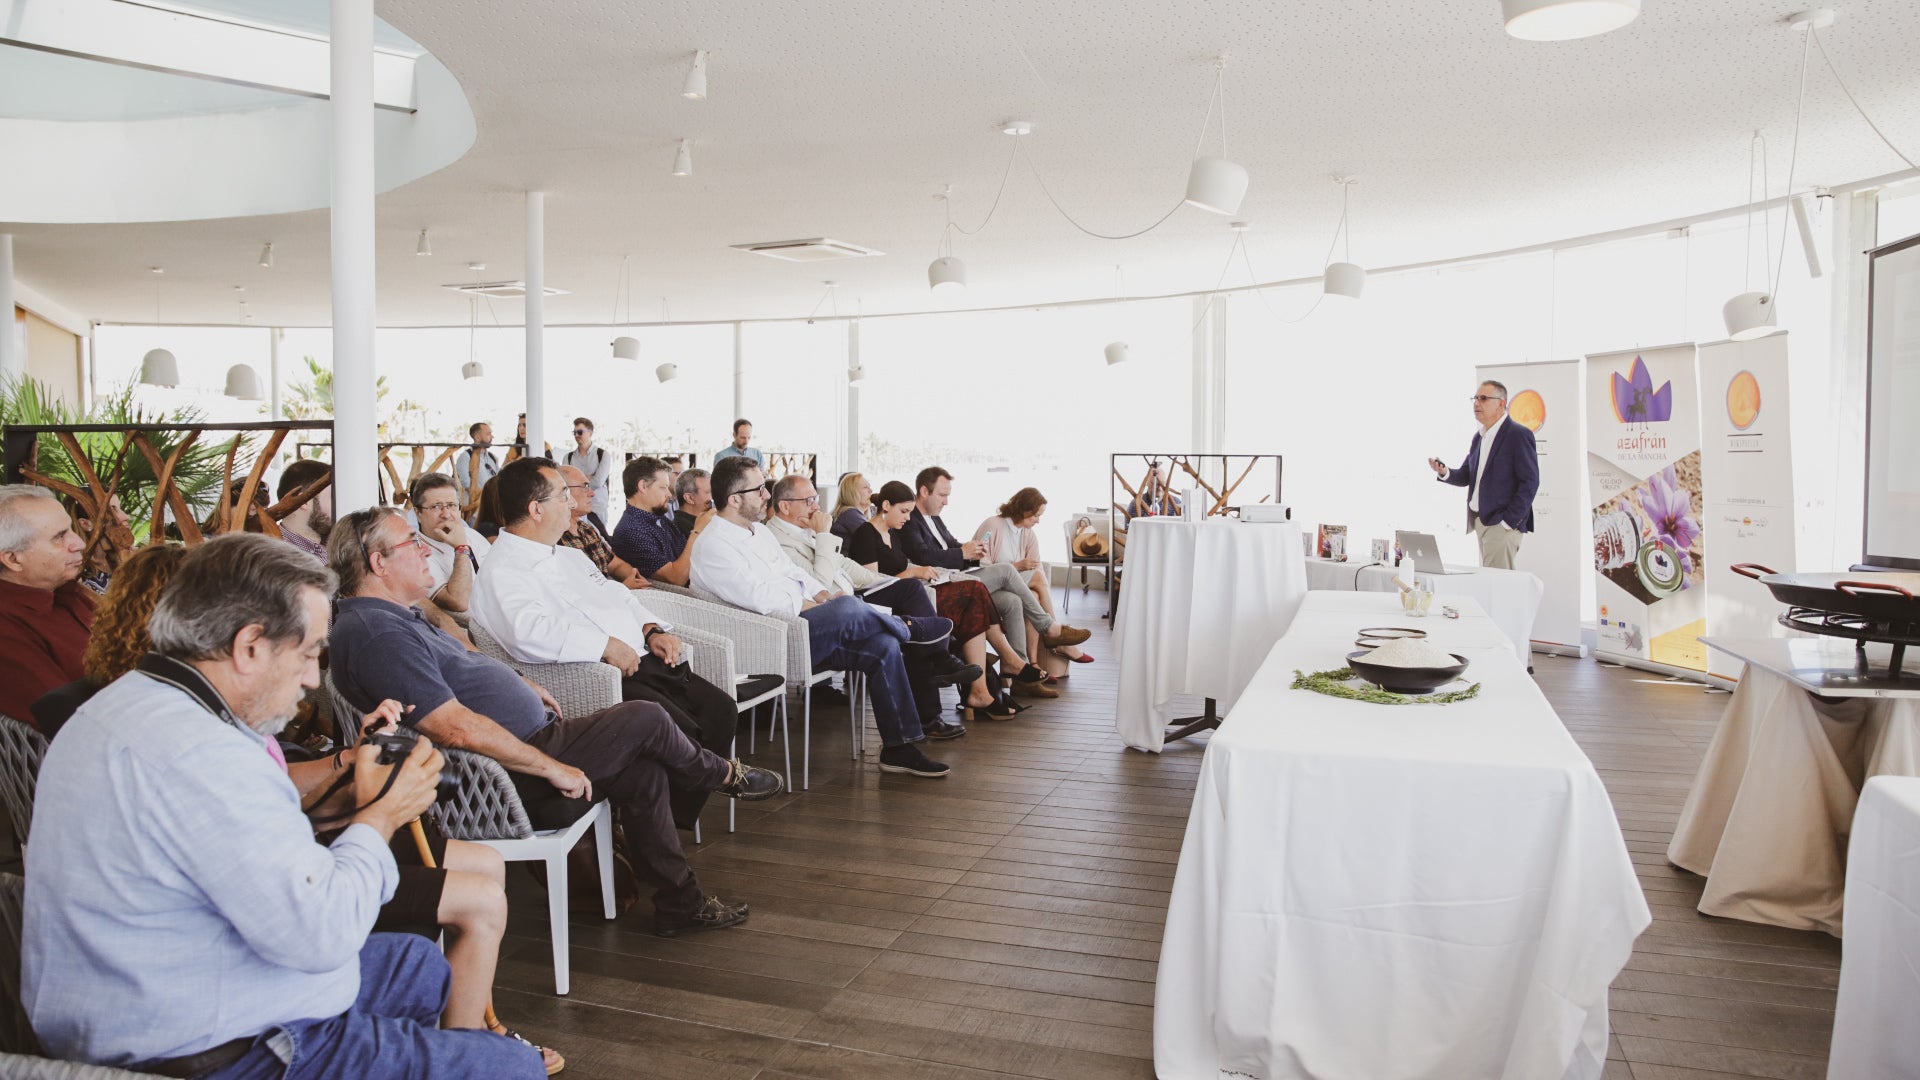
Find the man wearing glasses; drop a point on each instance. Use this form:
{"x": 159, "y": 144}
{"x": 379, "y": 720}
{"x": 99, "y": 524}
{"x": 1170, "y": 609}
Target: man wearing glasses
{"x": 1501, "y": 475}
{"x": 454, "y": 552}
{"x": 738, "y": 560}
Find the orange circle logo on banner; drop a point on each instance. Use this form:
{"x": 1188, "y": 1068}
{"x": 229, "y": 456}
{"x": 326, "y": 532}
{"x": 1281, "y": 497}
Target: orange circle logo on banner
{"x": 1743, "y": 400}
{"x": 1528, "y": 409}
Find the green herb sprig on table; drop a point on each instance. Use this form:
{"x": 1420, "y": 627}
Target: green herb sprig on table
{"x": 1334, "y": 683}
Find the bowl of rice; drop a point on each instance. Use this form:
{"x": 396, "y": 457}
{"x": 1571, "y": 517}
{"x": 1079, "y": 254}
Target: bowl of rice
{"x": 1407, "y": 666}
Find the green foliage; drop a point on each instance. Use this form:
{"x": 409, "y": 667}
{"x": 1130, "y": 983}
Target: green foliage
{"x": 1338, "y": 683}
{"x": 198, "y": 475}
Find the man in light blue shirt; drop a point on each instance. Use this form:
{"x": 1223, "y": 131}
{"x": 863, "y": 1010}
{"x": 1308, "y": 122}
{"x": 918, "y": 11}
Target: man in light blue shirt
{"x": 742, "y": 435}
{"x": 180, "y": 918}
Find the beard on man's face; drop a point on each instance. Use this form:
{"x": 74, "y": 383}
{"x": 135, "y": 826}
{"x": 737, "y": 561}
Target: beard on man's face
{"x": 321, "y": 523}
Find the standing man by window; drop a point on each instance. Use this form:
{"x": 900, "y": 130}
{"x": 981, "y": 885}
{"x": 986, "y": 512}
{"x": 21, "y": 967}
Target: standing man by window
{"x": 742, "y": 435}
{"x": 474, "y": 466}
{"x": 1501, "y": 475}
{"x": 596, "y": 463}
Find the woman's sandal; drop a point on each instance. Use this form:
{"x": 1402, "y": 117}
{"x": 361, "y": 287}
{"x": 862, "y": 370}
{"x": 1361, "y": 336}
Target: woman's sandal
{"x": 550, "y": 1058}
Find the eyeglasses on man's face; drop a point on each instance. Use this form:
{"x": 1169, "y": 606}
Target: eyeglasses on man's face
{"x": 761, "y": 488}
{"x": 415, "y": 541}
{"x": 439, "y": 507}
{"x": 1478, "y": 398}
{"x": 813, "y": 499}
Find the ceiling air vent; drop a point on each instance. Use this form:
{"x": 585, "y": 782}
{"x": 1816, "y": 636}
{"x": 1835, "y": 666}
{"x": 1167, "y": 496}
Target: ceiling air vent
{"x": 501, "y": 289}
{"x": 817, "y": 249}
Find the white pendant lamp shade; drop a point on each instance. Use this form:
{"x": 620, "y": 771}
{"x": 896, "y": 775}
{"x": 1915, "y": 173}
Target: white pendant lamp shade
{"x": 244, "y": 383}
{"x": 159, "y": 368}
{"x": 683, "y": 159}
{"x": 1749, "y": 315}
{"x": 946, "y": 272}
{"x": 667, "y": 372}
{"x": 1216, "y": 184}
{"x": 626, "y": 348}
{"x": 1117, "y": 353}
{"x": 472, "y": 369}
{"x": 856, "y": 375}
{"x": 1344, "y": 279}
{"x": 1565, "y": 20}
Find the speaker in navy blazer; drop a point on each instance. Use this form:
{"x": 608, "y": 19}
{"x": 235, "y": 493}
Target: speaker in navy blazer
{"x": 1509, "y": 479}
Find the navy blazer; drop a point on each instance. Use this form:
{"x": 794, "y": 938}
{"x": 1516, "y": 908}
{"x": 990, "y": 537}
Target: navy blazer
{"x": 1508, "y": 482}
{"x": 926, "y": 541}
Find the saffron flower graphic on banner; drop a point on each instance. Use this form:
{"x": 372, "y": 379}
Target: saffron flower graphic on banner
{"x": 1635, "y": 401}
{"x": 1669, "y": 510}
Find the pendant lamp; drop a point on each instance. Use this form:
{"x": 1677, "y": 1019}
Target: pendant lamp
{"x": 243, "y": 383}
{"x": 947, "y": 272}
{"x": 667, "y": 372}
{"x": 626, "y": 348}
{"x": 1216, "y": 184}
{"x": 1566, "y": 20}
{"x": 159, "y": 368}
{"x": 1749, "y": 315}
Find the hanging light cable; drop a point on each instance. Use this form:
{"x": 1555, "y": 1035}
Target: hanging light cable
{"x": 1216, "y": 184}
{"x": 1344, "y": 278}
{"x": 1117, "y": 351}
{"x": 1756, "y": 314}
{"x": 668, "y": 371}
{"x": 946, "y": 271}
{"x": 624, "y": 348}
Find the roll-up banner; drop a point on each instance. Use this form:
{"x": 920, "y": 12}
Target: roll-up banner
{"x": 1545, "y": 398}
{"x": 1747, "y": 469}
{"x": 1643, "y": 467}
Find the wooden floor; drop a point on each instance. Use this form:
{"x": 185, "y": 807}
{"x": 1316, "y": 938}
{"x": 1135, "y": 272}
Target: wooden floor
{"x": 1005, "y": 921}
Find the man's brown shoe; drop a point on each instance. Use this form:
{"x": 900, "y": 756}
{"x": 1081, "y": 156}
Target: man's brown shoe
{"x": 1060, "y": 635}
{"x": 1034, "y": 690}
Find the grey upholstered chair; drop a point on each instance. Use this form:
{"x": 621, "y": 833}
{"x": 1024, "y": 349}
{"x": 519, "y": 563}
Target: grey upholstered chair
{"x": 21, "y": 748}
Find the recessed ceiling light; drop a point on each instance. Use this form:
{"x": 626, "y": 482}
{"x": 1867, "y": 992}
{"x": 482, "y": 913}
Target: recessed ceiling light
{"x": 1016, "y": 127}
{"x": 1566, "y": 20}
{"x": 696, "y": 85}
{"x": 683, "y": 159}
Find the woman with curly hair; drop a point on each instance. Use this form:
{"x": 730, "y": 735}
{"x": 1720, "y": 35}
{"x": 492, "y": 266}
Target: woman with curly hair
{"x": 119, "y": 637}
{"x": 1009, "y": 538}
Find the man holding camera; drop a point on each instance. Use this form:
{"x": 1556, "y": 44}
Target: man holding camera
{"x": 632, "y": 753}
{"x": 180, "y": 918}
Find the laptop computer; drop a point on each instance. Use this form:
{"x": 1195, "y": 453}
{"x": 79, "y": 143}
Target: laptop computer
{"x": 1424, "y": 550}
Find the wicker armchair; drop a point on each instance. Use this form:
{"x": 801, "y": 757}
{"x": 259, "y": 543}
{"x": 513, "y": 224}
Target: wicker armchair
{"x": 801, "y": 675}
{"x": 20, "y": 1049}
{"x": 580, "y": 688}
{"x": 21, "y": 748}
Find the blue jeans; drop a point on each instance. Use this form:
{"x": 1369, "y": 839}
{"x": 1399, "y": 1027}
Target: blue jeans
{"x": 393, "y": 1030}
{"x": 847, "y": 635}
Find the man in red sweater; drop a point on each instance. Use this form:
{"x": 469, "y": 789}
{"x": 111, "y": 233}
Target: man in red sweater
{"x": 46, "y": 615}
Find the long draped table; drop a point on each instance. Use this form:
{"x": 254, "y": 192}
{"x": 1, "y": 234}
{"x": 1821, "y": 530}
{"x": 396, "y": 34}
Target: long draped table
{"x": 1510, "y": 597}
{"x": 1874, "y": 1035}
{"x": 1374, "y": 891}
{"x": 1200, "y": 604}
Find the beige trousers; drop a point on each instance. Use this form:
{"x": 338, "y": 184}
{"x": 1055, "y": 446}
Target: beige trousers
{"x": 1498, "y": 544}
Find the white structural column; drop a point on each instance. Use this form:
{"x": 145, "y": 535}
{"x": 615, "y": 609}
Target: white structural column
{"x": 536, "y": 320}
{"x": 739, "y": 365}
{"x": 852, "y": 460}
{"x": 274, "y": 337}
{"x": 13, "y": 360}
{"x": 1209, "y": 373}
{"x": 355, "y": 455}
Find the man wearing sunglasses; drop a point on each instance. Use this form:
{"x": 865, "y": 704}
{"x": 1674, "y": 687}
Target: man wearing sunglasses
{"x": 1501, "y": 475}
{"x": 597, "y": 464}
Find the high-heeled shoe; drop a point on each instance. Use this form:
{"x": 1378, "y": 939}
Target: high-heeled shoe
{"x": 1001, "y": 709}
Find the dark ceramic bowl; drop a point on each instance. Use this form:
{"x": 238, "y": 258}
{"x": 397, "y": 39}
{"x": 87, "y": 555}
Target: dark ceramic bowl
{"x": 1402, "y": 680}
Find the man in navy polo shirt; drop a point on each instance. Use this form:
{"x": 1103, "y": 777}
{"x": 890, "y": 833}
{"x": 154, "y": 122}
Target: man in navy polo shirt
{"x": 646, "y": 537}
{"x": 381, "y": 647}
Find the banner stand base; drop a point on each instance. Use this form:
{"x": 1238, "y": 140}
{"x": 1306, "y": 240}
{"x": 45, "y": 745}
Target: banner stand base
{"x": 1715, "y": 682}
{"x": 1554, "y": 648}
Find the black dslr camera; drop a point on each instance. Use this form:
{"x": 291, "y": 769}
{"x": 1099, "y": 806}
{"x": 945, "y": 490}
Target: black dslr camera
{"x": 396, "y": 744}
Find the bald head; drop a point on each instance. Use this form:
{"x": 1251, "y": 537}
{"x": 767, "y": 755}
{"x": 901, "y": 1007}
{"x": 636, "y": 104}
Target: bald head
{"x": 579, "y": 494}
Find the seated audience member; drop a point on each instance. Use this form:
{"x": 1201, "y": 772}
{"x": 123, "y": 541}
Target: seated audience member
{"x": 739, "y": 561}
{"x": 486, "y": 516}
{"x": 693, "y": 493}
{"x": 1155, "y": 498}
{"x": 633, "y": 753}
{"x": 644, "y": 536}
{"x": 454, "y": 552}
{"x": 802, "y": 529}
{"x": 110, "y": 551}
{"x": 679, "y": 465}
{"x": 45, "y": 613}
{"x": 926, "y": 540}
{"x": 180, "y": 917}
{"x": 306, "y": 527}
{"x": 547, "y": 604}
{"x": 851, "y": 505}
{"x": 464, "y": 892}
{"x": 474, "y": 465}
{"x": 596, "y": 469}
{"x": 1008, "y": 537}
{"x": 585, "y": 536}
{"x": 216, "y": 521}
{"x": 742, "y": 435}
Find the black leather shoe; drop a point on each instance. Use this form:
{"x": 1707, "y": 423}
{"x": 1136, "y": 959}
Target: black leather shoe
{"x": 928, "y": 630}
{"x": 712, "y": 914}
{"x": 964, "y": 675}
{"x": 907, "y": 758}
{"x": 751, "y": 784}
{"x": 824, "y": 694}
{"x": 940, "y": 729}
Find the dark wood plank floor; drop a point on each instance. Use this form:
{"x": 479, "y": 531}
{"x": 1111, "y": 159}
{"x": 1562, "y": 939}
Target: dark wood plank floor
{"x": 1006, "y": 921}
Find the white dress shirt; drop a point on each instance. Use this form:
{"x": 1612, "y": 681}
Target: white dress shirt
{"x": 748, "y": 569}
{"x": 440, "y": 555}
{"x": 1480, "y": 469}
{"x": 548, "y": 605}
{"x": 819, "y": 555}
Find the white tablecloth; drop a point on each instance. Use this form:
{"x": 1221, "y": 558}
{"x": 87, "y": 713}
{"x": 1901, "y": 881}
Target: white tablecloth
{"x": 1874, "y": 1034}
{"x": 1201, "y": 602}
{"x": 1371, "y": 892}
{"x": 1767, "y": 818}
{"x": 1510, "y": 597}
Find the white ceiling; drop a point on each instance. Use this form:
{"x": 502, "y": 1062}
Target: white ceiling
{"x": 843, "y": 118}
